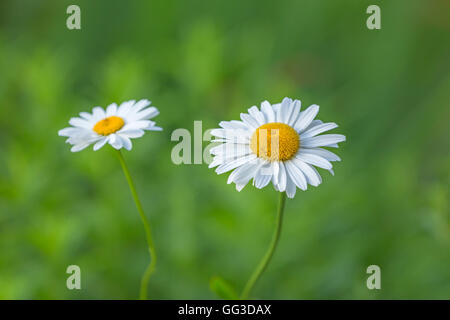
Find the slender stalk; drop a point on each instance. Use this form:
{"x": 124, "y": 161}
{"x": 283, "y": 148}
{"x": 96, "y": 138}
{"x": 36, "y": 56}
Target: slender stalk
{"x": 148, "y": 233}
{"x": 269, "y": 253}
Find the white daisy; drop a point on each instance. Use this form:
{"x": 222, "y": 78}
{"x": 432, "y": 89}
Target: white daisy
{"x": 277, "y": 143}
{"x": 116, "y": 125}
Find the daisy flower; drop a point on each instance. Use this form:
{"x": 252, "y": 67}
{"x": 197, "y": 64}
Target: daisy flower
{"x": 277, "y": 143}
{"x": 116, "y": 125}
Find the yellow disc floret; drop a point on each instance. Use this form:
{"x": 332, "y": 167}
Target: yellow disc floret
{"x": 275, "y": 141}
{"x": 109, "y": 125}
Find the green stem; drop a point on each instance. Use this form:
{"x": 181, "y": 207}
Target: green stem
{"x": 273, "y": 244}
{"x": 148, "y": 233}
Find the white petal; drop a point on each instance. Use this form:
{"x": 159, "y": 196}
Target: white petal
{"x": 115, "y": 141}
{"x": 143, "y": 115}
{"x": 306, "y": 117}
{"x": 111, "y": 110}
{"x": 249, "y": 121}
{"x": 141, "y": 104}
{"x": 86, "y": 115}
{"x": 318, "y": 129}
{"x": 225, "y": 158}
{"x": 276, "y": 108}
{"x": 124, "y": 108}
{"x": 296, "y": 175}
{"x": 216, "y": 161}
{"x": 154, "y": 128}
{"x": 263, "y": 176}
{"x": 296, "y": 106}
{"x": 234, "y": 164}
{"x": 234, "y": 124}
{"x": 67, "y": 132}
{"x": 257, "y": 115}
{"x": 232, "y": 135}
{"x": 285, "y": 110}
{"x": 229, "y": 133}
{"x": 267, "y": 109}
{"x": 132, "y": 133}
{"x": 290, "y": 187}
{"x": 330, "y": 156}
{"x": 314, "y": 159}
{"x": 322, "y": 141}
{"x": 226, "y": 125}
{"x": 126, "y": 142}
{"x": 278, "y": 113}
{"x": 282, "y": 178}
{"x": 311, "y": 174}
{"x": 83, "y": 136}
{"x": 276, "y": 171}
{"x": 79, "y": 147}
{"x": 80, "y": 123}
{"x": 136, "y": 125}
{"x": 98, "y": 114}
{"x": 228, "y": 150}
{"x": 100, "y": 143}
{"x": 244, "y": 173}
{"x": 313, "y": 124}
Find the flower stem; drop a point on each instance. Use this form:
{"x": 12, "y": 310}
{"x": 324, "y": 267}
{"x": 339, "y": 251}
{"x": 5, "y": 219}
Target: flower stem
{"x": 273, "y": 244}
{"x": 151, "y": 267}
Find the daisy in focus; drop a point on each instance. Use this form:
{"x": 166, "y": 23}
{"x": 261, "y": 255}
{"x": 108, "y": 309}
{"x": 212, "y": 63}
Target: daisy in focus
{"x": 116, "y": 125}
{"x": 277, "y": 143}
{"x": 280, "y": 144}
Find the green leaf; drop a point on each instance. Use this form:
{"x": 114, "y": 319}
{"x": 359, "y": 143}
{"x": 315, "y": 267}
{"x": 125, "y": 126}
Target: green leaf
{"x": 223, "y": 289}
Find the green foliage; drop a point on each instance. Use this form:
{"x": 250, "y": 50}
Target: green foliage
{"x": 388, "y": 203}
{"x": 223, "y": 289}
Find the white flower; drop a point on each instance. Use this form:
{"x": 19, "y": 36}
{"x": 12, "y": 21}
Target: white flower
{"x": 277, "y": 143}
{"x": 116, "y": 125}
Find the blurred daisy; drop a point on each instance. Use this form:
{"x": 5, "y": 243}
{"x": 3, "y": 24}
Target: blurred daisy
{"x": 116, "y": 125}
{"x": 276, "y": 143}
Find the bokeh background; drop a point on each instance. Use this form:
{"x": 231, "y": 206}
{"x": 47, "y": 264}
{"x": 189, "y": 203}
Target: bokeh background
{"x": 388, "y": 204}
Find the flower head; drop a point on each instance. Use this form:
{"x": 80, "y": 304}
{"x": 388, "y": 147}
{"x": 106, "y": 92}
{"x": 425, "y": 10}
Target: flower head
{"x": 116, "y": 125}
{"x": 276, "y": 143}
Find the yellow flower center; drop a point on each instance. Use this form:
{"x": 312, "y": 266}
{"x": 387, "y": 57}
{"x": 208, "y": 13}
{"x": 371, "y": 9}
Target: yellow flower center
{"x": 109, "y": 125}
{"x": 275, "y": 142}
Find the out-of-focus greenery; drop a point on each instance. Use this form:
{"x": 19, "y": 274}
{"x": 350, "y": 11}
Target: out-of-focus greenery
{"x": 388, "y": 203}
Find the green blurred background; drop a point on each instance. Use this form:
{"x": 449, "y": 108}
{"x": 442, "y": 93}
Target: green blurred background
{"x": 388, "y": 204}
